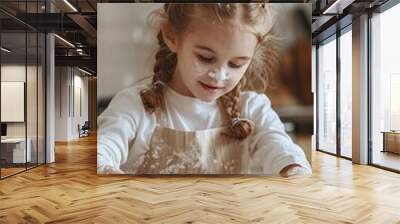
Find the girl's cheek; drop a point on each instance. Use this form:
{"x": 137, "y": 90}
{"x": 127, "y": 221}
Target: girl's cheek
{"x": 236, "y": 76}
{"x": 198, "y": 68}
{"x": 233, "y": 80}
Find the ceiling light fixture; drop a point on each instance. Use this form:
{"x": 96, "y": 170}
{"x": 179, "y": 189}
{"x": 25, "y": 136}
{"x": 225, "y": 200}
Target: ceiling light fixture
{"x": 64, "y": 40}
{"x": 5, "y": 50}
{"x": 337, "y": 7}
{"x": 84, "y": 71}
{"x": 70, "y": 5}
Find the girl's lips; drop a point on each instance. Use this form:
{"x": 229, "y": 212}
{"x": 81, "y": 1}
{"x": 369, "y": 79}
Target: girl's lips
{"x": 210, "y": 87}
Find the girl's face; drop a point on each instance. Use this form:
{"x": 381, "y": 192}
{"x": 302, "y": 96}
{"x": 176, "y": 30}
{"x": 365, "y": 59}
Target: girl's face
{"x": 212, "y": 58}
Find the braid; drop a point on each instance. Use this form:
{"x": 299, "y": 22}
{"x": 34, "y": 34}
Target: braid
{"x": 163, "y": 71}
{"x": 240, "y": 128}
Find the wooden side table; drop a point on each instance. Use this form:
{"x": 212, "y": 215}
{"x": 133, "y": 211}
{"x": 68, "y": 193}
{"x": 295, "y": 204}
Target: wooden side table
{"x": 391, "y": 141}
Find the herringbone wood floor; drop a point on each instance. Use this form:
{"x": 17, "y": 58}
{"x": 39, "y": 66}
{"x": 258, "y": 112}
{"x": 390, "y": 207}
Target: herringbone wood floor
{"x": 70, "y": 191}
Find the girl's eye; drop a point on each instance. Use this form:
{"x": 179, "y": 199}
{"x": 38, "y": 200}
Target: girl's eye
{"x": 233, "y": 65}
{"x": 205, "y": 59}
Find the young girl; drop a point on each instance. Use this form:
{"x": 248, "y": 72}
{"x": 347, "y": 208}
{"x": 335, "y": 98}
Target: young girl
{"x": 192, "y": 116}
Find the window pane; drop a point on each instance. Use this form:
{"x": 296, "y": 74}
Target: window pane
{"x": 346, "y": 93}
{"x": 327, "y": 96}
{"x": 386, "y": 89}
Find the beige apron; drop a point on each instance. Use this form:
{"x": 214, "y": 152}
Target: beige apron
{"x": 208, "y": 151}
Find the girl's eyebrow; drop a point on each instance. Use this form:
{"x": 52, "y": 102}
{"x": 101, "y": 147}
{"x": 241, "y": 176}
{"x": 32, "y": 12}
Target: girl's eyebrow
{"x": 211, "y": 50}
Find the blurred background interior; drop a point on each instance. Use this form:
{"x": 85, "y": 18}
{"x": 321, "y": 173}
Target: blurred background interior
{"x": 62, "y": 61}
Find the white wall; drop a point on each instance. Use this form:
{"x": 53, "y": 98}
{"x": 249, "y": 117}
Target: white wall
{"x": 81, "y": 83}
{"x": 14, "y": 73}
{"x": 33, "y": 126}
{"x": 61, "y": 103}
{"x": 17, "y": 73}
{"x": 67, "y": 80}
{"x": 125, "y": 45}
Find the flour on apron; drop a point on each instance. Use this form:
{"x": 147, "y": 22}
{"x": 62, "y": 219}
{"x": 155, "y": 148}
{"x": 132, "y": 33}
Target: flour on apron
{"x": 207, "y": 151}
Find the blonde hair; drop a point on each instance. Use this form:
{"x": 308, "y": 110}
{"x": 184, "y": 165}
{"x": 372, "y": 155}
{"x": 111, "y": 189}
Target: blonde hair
{"x": 254, "y": 15}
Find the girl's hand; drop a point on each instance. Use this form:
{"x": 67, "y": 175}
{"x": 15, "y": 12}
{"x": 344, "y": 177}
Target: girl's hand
{"x": 293, "y": 169}
{"x": 107, "y": 169}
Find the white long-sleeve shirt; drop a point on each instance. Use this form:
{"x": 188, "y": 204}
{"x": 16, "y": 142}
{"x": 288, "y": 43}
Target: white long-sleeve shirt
{"x": 125, "y": 129}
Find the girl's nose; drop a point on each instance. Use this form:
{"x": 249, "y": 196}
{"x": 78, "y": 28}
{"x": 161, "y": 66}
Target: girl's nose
{"x": 219, "y": 74}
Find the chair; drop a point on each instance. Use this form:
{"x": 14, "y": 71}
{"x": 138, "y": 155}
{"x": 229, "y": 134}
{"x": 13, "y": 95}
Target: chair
{"x": 84, "y": 130}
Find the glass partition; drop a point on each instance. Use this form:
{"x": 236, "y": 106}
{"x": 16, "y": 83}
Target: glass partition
{"x": 327, "y": 95}
{"x": 23, "y": 90}
{"x": 41, "y": 86}
{"x": 385, "y": 89}
{"x": 14, "y": 154}
{"x": 346, "y": 93}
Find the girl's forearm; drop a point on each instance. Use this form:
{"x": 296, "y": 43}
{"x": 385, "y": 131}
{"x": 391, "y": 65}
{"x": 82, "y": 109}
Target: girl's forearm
{"x": 293, "y": 169}
{"x": 108, "y": 169}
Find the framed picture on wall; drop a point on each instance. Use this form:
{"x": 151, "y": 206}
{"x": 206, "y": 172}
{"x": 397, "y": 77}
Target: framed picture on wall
{"x": 12, "y": 101}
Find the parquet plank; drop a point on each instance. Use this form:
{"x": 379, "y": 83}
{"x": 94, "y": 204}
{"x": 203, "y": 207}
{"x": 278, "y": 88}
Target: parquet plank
{"x": 70, "y": 191}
